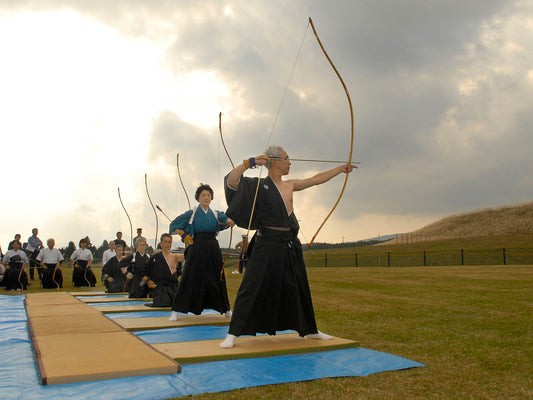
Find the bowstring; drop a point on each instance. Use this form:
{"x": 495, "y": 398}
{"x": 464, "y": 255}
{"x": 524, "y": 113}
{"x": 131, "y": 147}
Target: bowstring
{"x": 288, "y": 84}
{"x": 276, "y": 120}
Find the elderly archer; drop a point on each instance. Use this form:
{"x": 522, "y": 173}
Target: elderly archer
{"x": 274, "y": 294}
{"x": 51, "y": 258}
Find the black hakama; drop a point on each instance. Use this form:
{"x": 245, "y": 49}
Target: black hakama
{"x": 159, "y": 272}
{"x": 113, "y": 270}
{"x": 201, "y": 286}
{"x": 274, "y": 294}
{"x": 52, "y": 277}
{"x": 82, "y": 275}
{"x": 135, "y": 264}
{"x": 15, "y": 278}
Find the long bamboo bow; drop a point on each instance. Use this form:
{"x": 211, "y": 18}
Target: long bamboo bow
{"x": 129, "y": 219}
{"x": 222, "y": 138}
{"x": 54, "y": 277}
{"x": 351, "y": 131}
{"x": 153, "y": 208}
{"x": 233, "y": 166}
{"x": 20, "y": 273}
{"x": 181, "y": 180}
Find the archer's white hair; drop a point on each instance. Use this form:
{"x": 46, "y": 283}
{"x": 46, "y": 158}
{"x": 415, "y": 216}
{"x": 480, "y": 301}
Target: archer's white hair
{"x": 141, "y": 240}
{"x": 272, "y": 151}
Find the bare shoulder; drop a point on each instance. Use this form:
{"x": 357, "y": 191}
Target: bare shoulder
{"x": 299, "y": 184}
{"x": 288, "y": 185}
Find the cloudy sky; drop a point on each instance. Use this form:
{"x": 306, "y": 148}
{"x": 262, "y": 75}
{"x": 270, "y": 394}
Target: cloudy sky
{"x": 94, "y": 94}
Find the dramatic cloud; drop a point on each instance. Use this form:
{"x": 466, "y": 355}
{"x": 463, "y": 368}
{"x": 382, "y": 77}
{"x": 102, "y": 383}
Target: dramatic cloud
{"x": 441, "y": 91}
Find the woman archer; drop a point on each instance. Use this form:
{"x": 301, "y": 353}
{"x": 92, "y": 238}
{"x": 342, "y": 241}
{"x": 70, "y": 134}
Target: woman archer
{"x": 81, "y": 259}
{"x": 203, "y": 284}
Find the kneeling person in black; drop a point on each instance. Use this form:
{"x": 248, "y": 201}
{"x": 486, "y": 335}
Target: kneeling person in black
{"x": 113, "y": 275}
{"x": 15, "y": 278}
{"x": 162, "y": 272}
{"x": 135, "y": 264}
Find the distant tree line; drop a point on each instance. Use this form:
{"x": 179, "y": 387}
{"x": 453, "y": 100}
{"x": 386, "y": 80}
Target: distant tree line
{"x": 98, "y": 252}
{"x": 360, "y": 243}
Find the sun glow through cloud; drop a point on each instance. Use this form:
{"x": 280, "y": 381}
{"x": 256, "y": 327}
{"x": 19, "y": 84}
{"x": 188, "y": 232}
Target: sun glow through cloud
{"x": 82, "y": 98}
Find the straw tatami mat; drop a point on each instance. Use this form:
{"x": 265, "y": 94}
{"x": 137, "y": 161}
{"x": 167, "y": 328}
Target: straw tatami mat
{"x": 136, "y": 324}
{"x": 75, "y": 343}
{"x": 250, "y": 346}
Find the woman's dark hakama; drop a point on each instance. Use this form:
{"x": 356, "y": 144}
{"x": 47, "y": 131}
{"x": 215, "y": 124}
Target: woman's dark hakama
{"x": 82, "y": 275}
{"x": 201, "y": 285}
{"x": 16, "y": 278}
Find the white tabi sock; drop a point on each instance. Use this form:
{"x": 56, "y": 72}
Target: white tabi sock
{"x": 229, "y": 342}
{"x": 319, "y": 335}
{"x": 173, "y": 316}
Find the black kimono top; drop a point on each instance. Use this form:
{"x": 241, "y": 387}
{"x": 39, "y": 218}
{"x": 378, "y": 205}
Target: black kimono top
{"x": 270, "y": 209}
{"x": 157, "y": 270}
{"x": 135, "y": 263}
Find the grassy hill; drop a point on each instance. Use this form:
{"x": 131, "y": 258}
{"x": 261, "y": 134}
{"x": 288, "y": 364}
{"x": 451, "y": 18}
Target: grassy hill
{"x": 514, "y": 220}
{"x": 492, "y": 236}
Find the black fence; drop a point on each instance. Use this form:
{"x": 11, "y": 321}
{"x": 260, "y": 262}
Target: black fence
{"x": 497, "y": 256}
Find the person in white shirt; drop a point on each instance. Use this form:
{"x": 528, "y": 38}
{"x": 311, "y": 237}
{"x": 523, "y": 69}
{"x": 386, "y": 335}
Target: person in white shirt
{"x": 15, "y": 277}
{"x": 109, "y": 253}
{"x": 81, "y": 259}
{"x": 50, "y": 257}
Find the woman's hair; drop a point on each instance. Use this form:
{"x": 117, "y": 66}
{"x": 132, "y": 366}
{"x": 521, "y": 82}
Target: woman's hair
{"x": 83, "y": 241}
{"x": 201, "y": 188}
{"x": 272, "y": 151}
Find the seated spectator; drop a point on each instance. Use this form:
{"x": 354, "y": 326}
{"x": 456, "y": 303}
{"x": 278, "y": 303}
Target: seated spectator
{"x": 16, "y": 239}
{"x": 81, "y": 259}
{"x": 113, "y": 275}
{"x": 50, "y": 257}
{"x": 15, "y": 276}
{"x": 162, "y": 272}
{"x": 135, "y": 264}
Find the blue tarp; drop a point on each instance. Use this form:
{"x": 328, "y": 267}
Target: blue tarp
{"x": 104, "y": 296}
{"x": 138, "y": 314}
{"x": 121, "y": 303}
{"x": 19, "y": 376}
{"x": 187, "y": 334}
{"x": 155, "y": 313}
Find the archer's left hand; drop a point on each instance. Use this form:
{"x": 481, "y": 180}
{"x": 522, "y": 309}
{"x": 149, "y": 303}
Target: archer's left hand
{"x": 347, "y": 168}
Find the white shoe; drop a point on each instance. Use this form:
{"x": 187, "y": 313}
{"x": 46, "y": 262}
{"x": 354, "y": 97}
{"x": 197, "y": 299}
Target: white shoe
{"x": 228, "y": 314}
{"x": 173, "y": 316}
{"x": 319, "y": 336}
{"x": 229, "y": 342}
{"x": 235, "y": 272}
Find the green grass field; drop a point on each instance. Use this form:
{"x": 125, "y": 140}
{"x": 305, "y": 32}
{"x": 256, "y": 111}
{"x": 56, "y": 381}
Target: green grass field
{"x": 471, "y": 326}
